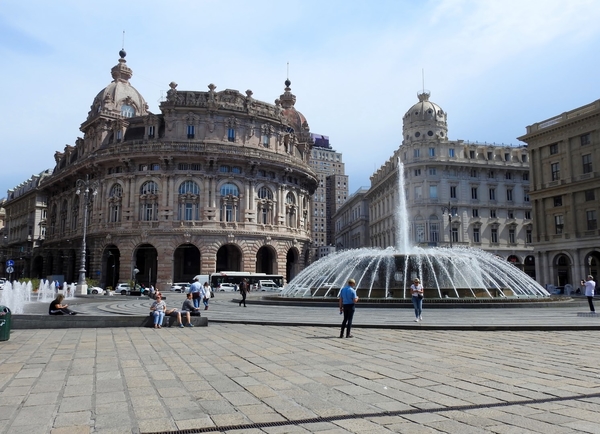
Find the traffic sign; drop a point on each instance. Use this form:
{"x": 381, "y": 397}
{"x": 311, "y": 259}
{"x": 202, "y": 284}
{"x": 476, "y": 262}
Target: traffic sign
{"x": 10, "y": 270}
{"x": 10, "y": 263}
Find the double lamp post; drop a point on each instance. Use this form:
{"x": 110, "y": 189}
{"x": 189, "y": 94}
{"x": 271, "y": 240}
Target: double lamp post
{"x": 88, "y": 188}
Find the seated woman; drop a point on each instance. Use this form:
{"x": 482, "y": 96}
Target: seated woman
{"x": 57, "y": 308}
{"x": 157, "y": 310}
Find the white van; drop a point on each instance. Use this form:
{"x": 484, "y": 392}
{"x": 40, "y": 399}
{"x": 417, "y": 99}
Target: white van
{"x": 268, "y": 285}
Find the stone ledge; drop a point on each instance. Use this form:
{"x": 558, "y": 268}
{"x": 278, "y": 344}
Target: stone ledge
{"x": 20, "y": 322}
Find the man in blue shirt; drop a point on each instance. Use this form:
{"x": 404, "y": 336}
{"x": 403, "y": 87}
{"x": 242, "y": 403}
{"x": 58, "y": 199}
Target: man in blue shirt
{"x": 348, "y": 299}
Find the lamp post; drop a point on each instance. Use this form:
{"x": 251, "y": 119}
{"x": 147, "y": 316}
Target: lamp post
{"x": 89, "y": 189}
{"x": 448, "y": 209}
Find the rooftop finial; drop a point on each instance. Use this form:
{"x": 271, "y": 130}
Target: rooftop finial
{"x": 122, "y": 53}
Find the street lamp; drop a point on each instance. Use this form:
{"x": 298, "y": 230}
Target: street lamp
{"x": 89, "y": 189}
{"x": 135, "y": 273}
{"x": 448, "y": 209}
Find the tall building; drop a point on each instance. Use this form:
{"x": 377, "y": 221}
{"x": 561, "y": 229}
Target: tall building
{"x": 330, "y": 194}
{"x": 216, "y": 181}
{"x": 351, "y": 222}
{"x": 565, "y": 189}
{"x": 458, "y": 193}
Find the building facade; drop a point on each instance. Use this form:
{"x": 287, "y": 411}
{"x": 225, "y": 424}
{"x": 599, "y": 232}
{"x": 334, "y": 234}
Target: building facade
{"x": 216, "y": 181}
{"x": 351, "y": 222}
{"x": 331, "y": 193}
{"x": 565, "y": 192}
{"x": 457, "y": 193}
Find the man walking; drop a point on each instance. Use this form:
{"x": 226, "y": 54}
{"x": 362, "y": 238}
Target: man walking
{"x": 244, "y": 288}
{"x": 590, "y": 287}
{"x": 348, "y": 299}
{"x": 195, "y": 291}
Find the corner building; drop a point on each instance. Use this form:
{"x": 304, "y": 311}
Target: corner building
{"x": 217, "y": 181}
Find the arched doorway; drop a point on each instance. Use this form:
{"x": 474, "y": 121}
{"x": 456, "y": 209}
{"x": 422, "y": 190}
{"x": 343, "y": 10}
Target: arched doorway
{"x": 592, "y": 263}
{"x": 529, "y": 266}
{"x": 265, "y": 260}
{"x": 37, "y": 270}
{"x": 111, "y": 265}
{"x": 146, "y": 261}
{"x": 229, "y": 258}
{"x": 186, "y": 263}
{"x": 562, "y": 265}
{"x": 291, "y": 264}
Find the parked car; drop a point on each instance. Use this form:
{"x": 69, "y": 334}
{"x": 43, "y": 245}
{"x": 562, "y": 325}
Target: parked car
{"x": 268, "y": 285}
{"x": 96, "y": 290}
{"x": 226, "y": 287}
{"x": 123, "y": 288}
{"x": 181, "y": 287}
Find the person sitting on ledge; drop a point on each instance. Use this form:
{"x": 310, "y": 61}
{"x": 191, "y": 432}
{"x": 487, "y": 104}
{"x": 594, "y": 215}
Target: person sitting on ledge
{"x": 57, "y": 308}
{"x": 177, "y": 313}
{"x": 157, "y": 311}
{"x": 188, "y": 306}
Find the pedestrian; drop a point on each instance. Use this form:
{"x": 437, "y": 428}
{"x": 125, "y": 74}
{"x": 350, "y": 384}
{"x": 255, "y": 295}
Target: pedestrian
{"x": 348, "y": 300}
{"x": 590, "y": 287}
{"x": 416, "y": 290}
{"x": 158, "y": 309}
{"x": 244, "y": 288}
{"x": 206, "y": 293}
{"x": 188, "y": 306}
{"x": 195, "y": 291}
{"x": 57, "y": 308}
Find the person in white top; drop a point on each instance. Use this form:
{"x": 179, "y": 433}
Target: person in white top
{"x": 416, "y": 289}
{"x": 590, "y": 287}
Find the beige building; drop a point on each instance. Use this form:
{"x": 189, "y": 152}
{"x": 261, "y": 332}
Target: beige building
{"x": 457, "y": 193}
{"x": 565, "y": 191}
{"x": 216, "y": 181}
{"x": 351, "y": 222}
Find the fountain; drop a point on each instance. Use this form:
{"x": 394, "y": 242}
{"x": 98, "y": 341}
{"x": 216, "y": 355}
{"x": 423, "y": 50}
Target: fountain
{"x": 15, "y": 295}
{"x": 457, "y": 272}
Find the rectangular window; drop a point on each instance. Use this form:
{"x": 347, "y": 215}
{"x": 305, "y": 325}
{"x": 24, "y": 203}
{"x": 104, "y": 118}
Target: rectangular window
{"x": 585, "y": 139}
{"x": 231, "y": 134}
{"x": 420, "y": 233}
{"x": 434, "y": 232}
{"x": 554, "y": 148}
{"x": 418, "y": 192}
{"x": 506, "y": 157}
{"x": 493, "y": 213}
{"x": 524, "y": 158}
{"x": 473, "y": 173}
{"x": 510, "y": 214}
{"x": 473, "y": 192}
{"x": 417, "y": 172}
{"x": 265, "y": 141}
{"x": 587, "y": 163}
{"x": 508, "y": 175}
{"x": 453, "y": 192}
{"x": 416, "y": 153}
{"x": 471, "y": 154}
{"x": 433, "y": 192}
{"x": 476, "y": 237}
{"x": 555, "y": 169}
{"x": 155, "y": 166}
{"x": 432, "y": 171}
{"x": 509, "y": 194}
{"x": 526, "y": 196}
{"x": 494, "y": 236}
{"x": 454, "y": 235}
{"x": 526, "y": 177}
{"x": 590, "y": 195}
{"x": 451, "y": 152}
{"x": 592, "y": 225}
{"x": 191, "y": 130}
{"x": 528, "y": 236}
{"x": 151, "y": 130}
{"x": 558, "y": 224}
{"x": 527, "y": 215}
{"x": 511, "y": 236}
{"x": 557, "y": 200}
{"x": 432, "y": 152}
{"x": 490, "y": 155}
{"x": 475, "y": 212}
{"x": 492, "y": 194}
{"x": 491, "y": 174}
{"x": 119, "y": 135}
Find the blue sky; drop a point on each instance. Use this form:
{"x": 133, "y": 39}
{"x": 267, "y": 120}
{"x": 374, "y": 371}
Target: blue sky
{"x": 495, "y": 66}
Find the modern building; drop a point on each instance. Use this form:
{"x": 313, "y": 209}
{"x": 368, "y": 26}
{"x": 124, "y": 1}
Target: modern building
{"x": 216, "y": 181}
{"x": 457, "y": 193}
{"x": 565, "y": 192}
{"x": 331, "y": 193}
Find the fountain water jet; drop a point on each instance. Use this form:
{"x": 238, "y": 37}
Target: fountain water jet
{"x": 457, "y": 272}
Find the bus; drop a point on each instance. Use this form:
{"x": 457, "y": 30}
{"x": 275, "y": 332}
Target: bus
{"x": 235, "y": 277}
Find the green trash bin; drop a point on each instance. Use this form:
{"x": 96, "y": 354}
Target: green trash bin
{"x": 5, "y": 323}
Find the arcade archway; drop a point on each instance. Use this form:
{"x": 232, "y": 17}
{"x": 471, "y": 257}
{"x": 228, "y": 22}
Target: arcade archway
{"x": 229, "y": 258}
{"x": 186, "y": 263}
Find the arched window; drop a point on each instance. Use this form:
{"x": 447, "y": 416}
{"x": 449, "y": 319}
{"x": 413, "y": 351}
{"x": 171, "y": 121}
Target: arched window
{"x": 291, "y": 211}
{"x": 229, "y": 202}
{"x": 114, "y": 203}
{"x": 434, "y": 229}
{"x": 265, "y": 206}
{"x": 149, "y": 201}
{"x": 189, "y": 201}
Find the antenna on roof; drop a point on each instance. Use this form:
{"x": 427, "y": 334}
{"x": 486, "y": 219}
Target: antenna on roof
{"x": 123, "y": 45}
{"x": 288, "y": 71}
{"x": 423, "y": 78}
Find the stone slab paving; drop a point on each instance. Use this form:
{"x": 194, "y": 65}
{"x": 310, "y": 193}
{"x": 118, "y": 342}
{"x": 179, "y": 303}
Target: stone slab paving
{"x": 241, "y": 378}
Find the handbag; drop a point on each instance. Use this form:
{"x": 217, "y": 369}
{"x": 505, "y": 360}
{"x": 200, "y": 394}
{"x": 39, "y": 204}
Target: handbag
{"x": 195, "y": 295}
{"x": 212, "y": 294}
{"x": 420, "y": 296}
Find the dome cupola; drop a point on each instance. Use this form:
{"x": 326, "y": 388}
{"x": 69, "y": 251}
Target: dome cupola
{"x": 295, "y": 119}
{"x": 424, "y": 121}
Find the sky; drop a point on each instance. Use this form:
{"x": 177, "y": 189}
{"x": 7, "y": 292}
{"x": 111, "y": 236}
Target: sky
{"x": 495, "y": 66}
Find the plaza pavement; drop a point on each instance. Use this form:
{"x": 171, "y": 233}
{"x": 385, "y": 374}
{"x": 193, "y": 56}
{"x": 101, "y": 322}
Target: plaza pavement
{"x": 242, "y": 375}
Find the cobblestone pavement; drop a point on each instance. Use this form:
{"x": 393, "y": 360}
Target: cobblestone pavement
{"x": 245, "y": 378}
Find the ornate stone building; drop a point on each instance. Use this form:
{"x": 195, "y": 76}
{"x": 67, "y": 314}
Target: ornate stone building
{"x": 565, "y": 188}
{"x": 216, "y": 181}
{"x": 457, "y": 193}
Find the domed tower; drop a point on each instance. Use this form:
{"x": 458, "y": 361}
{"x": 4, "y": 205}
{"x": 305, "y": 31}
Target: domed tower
{"x": 112, "y": 106}
{"x": 424, "y": 121}
{"x": 299, "y": 131}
